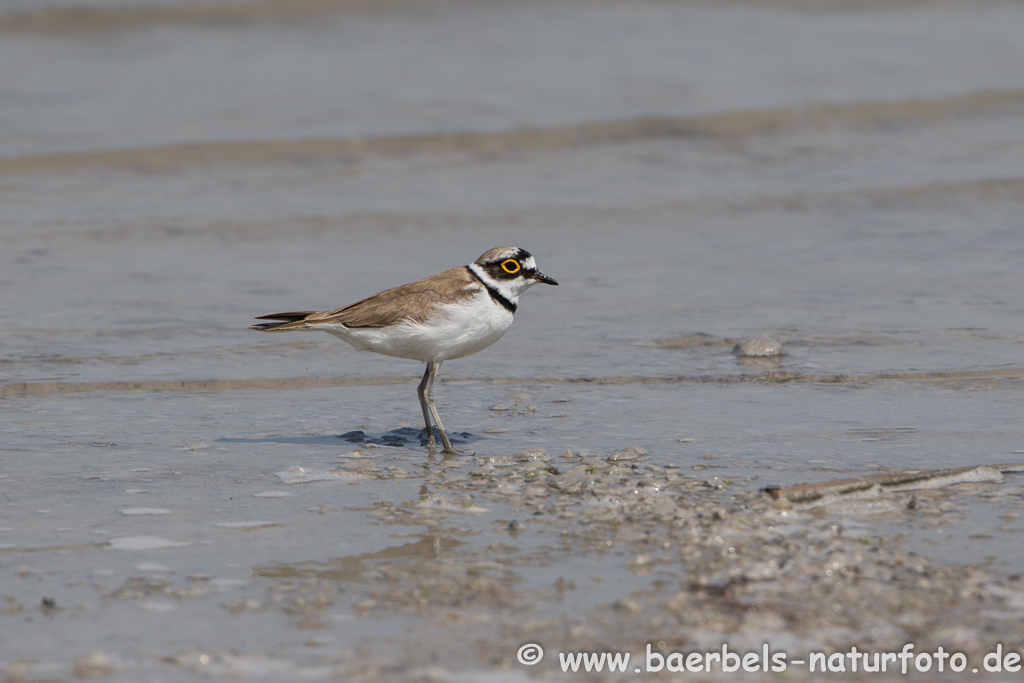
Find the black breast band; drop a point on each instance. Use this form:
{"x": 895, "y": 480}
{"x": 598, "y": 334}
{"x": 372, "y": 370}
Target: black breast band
{"x": 495, "y": 294}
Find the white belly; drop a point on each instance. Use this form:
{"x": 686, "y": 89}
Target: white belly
{"x": 454, "y": 331}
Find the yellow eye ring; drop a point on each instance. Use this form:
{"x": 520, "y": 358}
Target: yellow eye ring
{"x": 510, "y": 266}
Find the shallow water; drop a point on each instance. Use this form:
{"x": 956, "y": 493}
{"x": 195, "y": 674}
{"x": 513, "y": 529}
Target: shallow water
{"x": 845, "y": 178}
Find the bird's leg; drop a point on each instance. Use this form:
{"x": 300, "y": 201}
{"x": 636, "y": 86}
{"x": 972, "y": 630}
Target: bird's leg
{"x": 428, "y": 395}
{"x": 422, "y": 391}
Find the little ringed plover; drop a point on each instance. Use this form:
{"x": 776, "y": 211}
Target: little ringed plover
{"x": 442, "y": 317}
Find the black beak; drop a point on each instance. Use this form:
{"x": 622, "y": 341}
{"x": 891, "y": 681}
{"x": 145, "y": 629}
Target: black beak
{"x": 541, "y": 277}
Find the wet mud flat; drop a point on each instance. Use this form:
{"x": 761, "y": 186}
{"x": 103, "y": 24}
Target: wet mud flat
{"x": 385, "y": 563}
{"x": 798, "y": 570}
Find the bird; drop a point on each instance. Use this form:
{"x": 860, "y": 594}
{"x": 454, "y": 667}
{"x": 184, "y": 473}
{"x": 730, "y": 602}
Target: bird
{"x": 446, "y": 316}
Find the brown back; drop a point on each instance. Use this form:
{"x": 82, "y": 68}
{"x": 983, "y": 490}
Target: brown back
{"x": 414, "y": 301}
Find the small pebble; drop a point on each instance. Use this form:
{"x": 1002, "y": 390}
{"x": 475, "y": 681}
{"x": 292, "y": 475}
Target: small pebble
{"x": 629, "y": 605}
{"x": 533, "y": 455}
{"x": 631, "y": 453}
{"x": 759, "y": 347}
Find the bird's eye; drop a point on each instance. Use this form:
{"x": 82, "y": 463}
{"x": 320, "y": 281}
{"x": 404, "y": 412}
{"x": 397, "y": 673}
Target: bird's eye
{"x": 510, "y": 266}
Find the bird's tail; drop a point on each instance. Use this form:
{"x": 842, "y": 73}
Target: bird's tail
{"x": 291, "y": 320}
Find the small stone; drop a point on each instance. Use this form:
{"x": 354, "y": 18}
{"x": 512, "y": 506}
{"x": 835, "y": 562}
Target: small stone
{"x": 758, "y": 347}
{"x": 631, "y": 453}
{"x": 533, "y": 455}
{"x": 499, "y": 407}
{"x": 629, "y": 605}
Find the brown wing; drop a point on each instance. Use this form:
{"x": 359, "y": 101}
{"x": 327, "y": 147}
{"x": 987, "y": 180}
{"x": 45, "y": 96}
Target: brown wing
{"x": 413, "y": 301}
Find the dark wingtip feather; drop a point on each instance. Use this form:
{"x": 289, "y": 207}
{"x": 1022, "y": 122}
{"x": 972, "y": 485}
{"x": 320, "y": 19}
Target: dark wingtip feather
{"x": 290, "y": 316}
{"x": 283, "y": 319}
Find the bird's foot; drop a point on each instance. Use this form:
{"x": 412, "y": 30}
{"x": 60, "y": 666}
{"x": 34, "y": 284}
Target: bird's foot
{"x": 445, "y": 445}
